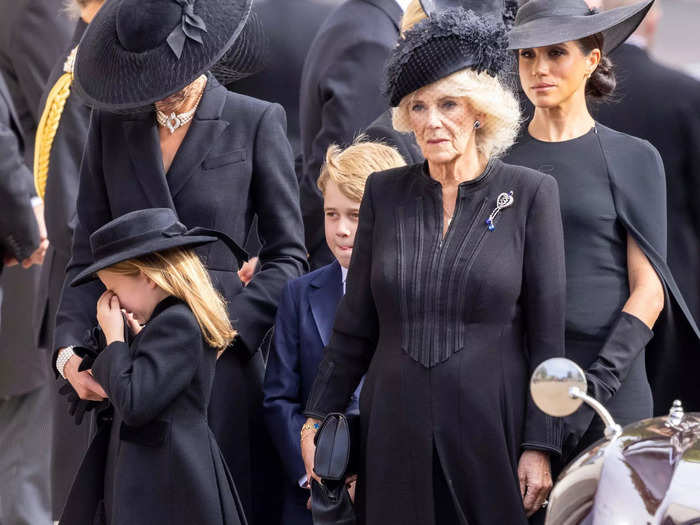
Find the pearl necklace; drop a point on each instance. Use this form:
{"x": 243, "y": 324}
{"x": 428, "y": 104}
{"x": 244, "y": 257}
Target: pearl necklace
{"x": 174, "y": 121}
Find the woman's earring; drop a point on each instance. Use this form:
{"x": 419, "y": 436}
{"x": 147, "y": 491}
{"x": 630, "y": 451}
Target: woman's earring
{"x": 477, "y": 124}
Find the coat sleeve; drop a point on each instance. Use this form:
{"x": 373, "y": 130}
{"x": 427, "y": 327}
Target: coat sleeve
{"x": 76, "y": 311}
{"x": 356, "y": 327}
{"x": 544, "y": 304}
{"x": 275, "y": 195}
{"x": 351, "y": 99}
{"x": 33, "y": 58}
{"x": 142, "y": 382}
{"x": 18, "y": 228}
{"x": 282, "y": 402}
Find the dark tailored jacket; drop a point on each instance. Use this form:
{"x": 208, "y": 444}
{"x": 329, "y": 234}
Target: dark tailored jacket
{"x": 234, "y": 162}
{"x": 20, "y": 370}
{"x": 290, "y": 26}
{"x": 26, "y": 60}
{"x": 25, "y": 63}
{"x": 341, "y": 95}
{"x": 162, "y": 463}
{"x": 448, "y": 331}
{"x": 19, "y": 237}
{"x": 302, "y": 329}
{"x": 61, "y": 195}
{"x": 671, "y": 122}
{"x": 69, "y": 440}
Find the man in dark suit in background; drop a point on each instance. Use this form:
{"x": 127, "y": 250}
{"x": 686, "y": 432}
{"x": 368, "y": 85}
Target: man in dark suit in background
{"x": 56, "y": 173}
{"x": 341, "y": 94}
{"x": 290, "y": 26}
{"x": 24, "y": 426}
{"x": 33, "y": 34}
{"x": 662, "y": 105}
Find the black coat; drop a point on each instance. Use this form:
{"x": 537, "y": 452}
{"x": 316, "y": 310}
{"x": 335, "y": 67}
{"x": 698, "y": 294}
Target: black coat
{"x": 162, "y": 463}
{"x": 25, "y": 63}
{"x": 290, "y": 26}
{"x": 69, "y": 440}
{"x": 341, "y": 95}
{"x": 448, "y": 331}
{"x": 20, "y": 370}
{"x": 33, "y": 35}
{"x": 234, "y": 162}
{"x": 382, "y": 130}
{"x": 19, "y": 236}
{"x": 662, "y": 105}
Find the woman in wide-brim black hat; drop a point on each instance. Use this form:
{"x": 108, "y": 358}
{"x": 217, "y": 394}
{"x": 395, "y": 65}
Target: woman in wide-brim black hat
{"x": 166, "y": 134}
{"x": 612, "y": 200}
{"x": 455, "y": 292}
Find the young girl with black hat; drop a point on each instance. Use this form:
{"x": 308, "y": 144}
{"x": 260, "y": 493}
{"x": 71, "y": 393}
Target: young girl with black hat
{"x": 155, "y": 460}
{"x": 613, "y": 206}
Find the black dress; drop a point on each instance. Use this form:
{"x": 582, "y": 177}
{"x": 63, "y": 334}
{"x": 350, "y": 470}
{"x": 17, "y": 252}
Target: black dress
{"x": 595, "y": 240}
{"x": 448, "y": 330}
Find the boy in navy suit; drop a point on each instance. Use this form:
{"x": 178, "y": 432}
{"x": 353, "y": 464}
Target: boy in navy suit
{"x": 307, "y": 309}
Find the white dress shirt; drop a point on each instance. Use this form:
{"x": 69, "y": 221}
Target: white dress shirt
{"x": 403, "y": 4}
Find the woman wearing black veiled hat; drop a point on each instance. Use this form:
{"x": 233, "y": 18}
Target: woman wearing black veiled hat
{"x": 166, "y": 134}
{"x": 455, "y": 292}
{"x": 613, "y": 205}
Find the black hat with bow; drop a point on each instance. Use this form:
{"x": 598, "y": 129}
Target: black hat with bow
{"x": 147, "y": 231}
{"x": 137, "y": 52}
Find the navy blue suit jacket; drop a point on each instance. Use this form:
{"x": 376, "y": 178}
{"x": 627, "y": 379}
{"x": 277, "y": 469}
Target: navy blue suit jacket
{"x": 303, "y": 326}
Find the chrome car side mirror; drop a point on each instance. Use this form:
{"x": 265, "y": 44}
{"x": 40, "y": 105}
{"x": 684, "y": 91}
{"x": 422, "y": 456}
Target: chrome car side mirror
{"x": 558, "y": 387}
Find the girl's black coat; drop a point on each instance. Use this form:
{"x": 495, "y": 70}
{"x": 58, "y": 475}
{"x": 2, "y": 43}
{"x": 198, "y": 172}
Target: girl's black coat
{"x": 165, "y": 465}
{"x": 448, "y": 332}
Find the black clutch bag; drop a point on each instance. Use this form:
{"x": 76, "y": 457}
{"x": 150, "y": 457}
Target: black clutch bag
{"x": 337, "y": 443}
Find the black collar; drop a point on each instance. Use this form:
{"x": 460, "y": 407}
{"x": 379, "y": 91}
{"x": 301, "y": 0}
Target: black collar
{"x": 166, "y": 303}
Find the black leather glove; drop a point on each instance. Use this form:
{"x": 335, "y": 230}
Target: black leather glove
{"x": 76, "y": 406}
{"x": 627, "y": 338}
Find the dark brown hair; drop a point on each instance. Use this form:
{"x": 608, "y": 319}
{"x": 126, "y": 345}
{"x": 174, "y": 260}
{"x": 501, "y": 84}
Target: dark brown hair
{"x": 601, "y": 85}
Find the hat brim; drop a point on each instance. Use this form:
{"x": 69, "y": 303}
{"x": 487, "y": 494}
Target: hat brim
{"x": 192, "y": 241}
{"x": 616, "y": 25}
{"x": 110, "y": 77}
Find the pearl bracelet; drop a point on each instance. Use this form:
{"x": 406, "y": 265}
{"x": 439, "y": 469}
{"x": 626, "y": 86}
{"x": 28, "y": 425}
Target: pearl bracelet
{"x": 63, "y": 357}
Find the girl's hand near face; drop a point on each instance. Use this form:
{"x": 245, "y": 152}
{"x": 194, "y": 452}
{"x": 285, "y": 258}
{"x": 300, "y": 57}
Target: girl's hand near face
{"x": 109, "y": 315}
{"x": 131, "y": 322}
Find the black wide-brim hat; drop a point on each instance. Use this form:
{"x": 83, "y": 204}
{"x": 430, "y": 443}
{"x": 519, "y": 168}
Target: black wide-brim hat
{"x": 137, "y": 52}
{"x": 446, "y": 42}
{"x": 542, "y": 23}
{"x": 147, "y": 231}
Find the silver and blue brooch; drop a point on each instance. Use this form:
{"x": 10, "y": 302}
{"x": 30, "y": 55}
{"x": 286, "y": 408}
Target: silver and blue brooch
{"x": 504, "y": 200}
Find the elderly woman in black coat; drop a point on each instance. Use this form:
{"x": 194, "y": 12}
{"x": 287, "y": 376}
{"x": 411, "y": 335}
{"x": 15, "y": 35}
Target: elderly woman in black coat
{"x": 165, "y": 134}
{"x": 456, "y": 291}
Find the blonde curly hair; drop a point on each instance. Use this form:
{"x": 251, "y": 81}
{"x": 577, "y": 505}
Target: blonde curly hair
{"x": 487, "y": 96}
